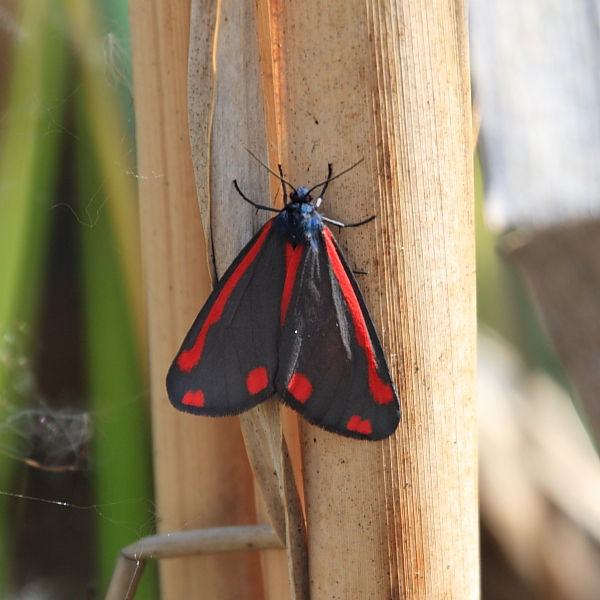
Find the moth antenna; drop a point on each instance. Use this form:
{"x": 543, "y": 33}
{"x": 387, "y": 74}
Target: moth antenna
{"x": 326, "y": 182}
{"x": 260, "y": 162}
{"x": 285, "y": 196}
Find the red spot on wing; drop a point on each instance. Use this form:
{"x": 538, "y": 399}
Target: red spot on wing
{"x": 257, "y": 380}
{"x": 193, "y": 398}
{"x": 188, "y": 359}
{"x": 357, "y": 424}
{"x": 292, "y": 261}
{"x": 300, "y": 387}
{"x": 382, "y": 392}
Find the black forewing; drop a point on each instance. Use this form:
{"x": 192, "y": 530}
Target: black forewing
{"x": 242, "y": 340}
{"x": 319, "y": 342}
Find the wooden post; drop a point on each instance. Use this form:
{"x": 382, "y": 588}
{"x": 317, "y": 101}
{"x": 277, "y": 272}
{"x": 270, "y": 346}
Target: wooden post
{"x": 201, "y": 471}
{"x": 388, "y": 81}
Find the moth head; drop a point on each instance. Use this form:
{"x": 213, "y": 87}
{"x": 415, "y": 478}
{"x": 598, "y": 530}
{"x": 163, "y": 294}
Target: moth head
{"x": 301, "y": 196}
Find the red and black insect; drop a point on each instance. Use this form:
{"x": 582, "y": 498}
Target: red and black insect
{"x": 288, "y": 318}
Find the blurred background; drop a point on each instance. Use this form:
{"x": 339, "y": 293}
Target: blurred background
{"x": 75, "y": 455}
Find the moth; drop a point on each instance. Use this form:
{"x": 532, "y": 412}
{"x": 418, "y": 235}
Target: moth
{"x": 288, "y": 318}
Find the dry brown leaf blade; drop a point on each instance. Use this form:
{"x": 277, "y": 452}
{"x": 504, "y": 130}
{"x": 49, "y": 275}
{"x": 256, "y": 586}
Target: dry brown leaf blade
{"x": 260, "y": 435}
{"x": 201, "y": 93}
{"x": 270, "y": 461}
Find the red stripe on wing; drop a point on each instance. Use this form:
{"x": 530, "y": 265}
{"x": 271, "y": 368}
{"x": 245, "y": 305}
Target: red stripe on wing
{"x": 382, "y": 392}
{"x": 292, "y": 262}
{"x": 188, "y": 359}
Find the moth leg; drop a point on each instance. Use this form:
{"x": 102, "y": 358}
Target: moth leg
{"x": 257, "y": 206}
{"x": 325, "y": 185}
{"x": 340, "y": 224}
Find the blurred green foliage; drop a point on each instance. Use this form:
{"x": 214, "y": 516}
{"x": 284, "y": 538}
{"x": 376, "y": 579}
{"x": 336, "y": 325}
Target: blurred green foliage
{"x": 66, "y": 143}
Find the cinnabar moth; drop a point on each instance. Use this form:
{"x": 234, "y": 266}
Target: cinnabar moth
{"x": 288, "y": 318}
